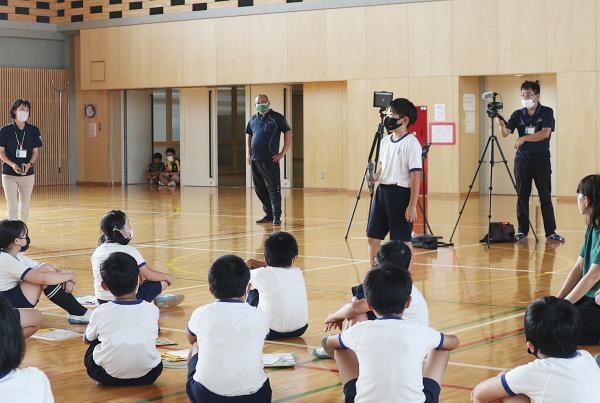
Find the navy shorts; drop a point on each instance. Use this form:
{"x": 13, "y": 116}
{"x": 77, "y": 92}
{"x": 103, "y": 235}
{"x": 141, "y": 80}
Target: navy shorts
{"x": 387, "y": 214}
{"x": 16, "y": 298}
{"x": 431, "y": 390}
{"x": 148, "y": 291}
{"x": 198, "y": 393}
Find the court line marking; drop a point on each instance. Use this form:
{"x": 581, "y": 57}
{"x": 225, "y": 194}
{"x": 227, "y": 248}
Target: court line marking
{"x": 490, "y": 322}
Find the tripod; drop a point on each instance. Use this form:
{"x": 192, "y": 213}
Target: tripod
{"x": 493, "y": 141}
{"x": 374, "y": 149}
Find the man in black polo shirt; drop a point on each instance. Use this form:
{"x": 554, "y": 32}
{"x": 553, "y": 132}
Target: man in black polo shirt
{"x": 534, "y": 123}
{"x": 262, "y": 140}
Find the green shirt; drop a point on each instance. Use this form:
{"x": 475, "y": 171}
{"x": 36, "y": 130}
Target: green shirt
{"x": 590, "y": 252}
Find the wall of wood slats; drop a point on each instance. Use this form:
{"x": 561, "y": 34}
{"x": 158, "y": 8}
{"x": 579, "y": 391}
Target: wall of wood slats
{"x": 35, "y": 85}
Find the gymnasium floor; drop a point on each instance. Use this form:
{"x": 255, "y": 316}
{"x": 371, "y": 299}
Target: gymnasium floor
{"x": 475, "y": 293}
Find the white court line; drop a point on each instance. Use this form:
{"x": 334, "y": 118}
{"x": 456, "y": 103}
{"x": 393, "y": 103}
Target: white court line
{"x": 451, "y": 266}
{"x": 464, "y": 329}
{"x": 332, "y": 266}
{"x": 460, "y": 364}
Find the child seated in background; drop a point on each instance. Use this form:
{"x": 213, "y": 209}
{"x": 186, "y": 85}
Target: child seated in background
{"x": 278, "y": 287}
{"x": 398, "y": 254}
{"x": 227, "y": 338}
{"x": 122, "y": 334}
{"x": 18, "y": 385}
{"x": 170, "y": 175}
{"x": 383, "y": 360}
{"x": 560, "y": 373}
{"x": 155, "y": 168}
{"x": 23, "y": 280}
{"x": 117, "y": 232}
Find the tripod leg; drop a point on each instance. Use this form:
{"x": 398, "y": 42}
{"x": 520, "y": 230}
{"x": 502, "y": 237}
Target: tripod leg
{"x": 425, "y": 220}
{"x": 491, "y": 188}
{"x": 512, "y": 179}
{"x": 360, "y": 189}
{"x": 470, "y": 187}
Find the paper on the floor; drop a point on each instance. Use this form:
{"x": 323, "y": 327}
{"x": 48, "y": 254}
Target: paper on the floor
{"x": 87, "y": 300}
{"x": 279, "y": 360}
{"x": 175, "y": 355}
{"x": 162, "y": 341}
{"x": 51, "y": 334}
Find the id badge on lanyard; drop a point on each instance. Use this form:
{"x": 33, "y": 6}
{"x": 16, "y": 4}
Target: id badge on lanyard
{"x": 21, "y": 153}
{"x": 529, "y": 129}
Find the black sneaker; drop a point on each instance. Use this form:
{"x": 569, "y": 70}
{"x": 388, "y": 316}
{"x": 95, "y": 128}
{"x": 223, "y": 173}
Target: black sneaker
{"x": 265, "y": 219}
{"x": 277, "y": 221}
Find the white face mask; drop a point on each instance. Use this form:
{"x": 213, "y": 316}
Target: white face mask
{"x": 170, "y": 158}
{"x": 528, "y": 103}
{"x": 22, "y": 116}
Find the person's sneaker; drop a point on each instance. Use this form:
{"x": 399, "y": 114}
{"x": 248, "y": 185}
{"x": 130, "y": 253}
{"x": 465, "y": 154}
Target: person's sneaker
{"x": 80, "y": 319}
{"x": 266, "y": 219}
{"x": 276, "y": 221}
{"x": 556, "y": 237}
{"x": 172, "y": 184}
{"x": 519, "y": 236}
{"x": 320, "y": 353}
{"x": 150, "y": 182}
{"x": 167, "y": 300}
{"x": 161, "y": 184}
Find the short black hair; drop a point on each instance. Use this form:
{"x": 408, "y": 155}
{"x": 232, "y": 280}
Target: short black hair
{"x": 110, "y": 225}
{"x": 120, "y": 273}
{"x": 158, "y": 156}
{"x": 280, "y": 249}
{"x": 12, "y": 343}
{"x": 531, "y": 85}
{"x": 228, "y": 277}
{"x": 15, "y": 105}
{"x": 11, "y": 230}
{"x": 395, "y": 252}
{"x": 553, "y": 325}
{"x": 388, "y": 288}
{"x": 170, "y": 150}
{"x": 404, "y": 107}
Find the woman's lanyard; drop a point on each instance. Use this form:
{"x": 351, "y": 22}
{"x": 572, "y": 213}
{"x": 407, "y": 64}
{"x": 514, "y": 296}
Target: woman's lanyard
{"x": 20, "y": 152}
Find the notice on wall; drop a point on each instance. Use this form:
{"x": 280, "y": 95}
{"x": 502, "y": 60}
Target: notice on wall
{"x": 439, "y": 112}
{"x": 469, "y": 102}
{"x": 469, "y": 122}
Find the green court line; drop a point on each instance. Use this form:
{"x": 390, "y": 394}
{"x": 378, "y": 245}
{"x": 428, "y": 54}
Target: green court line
{"x": 308, "y": 392}
{"x": 154, "y": 399}
{"x": 491, "y": 316}
{"x": 473, "y": 303}
{"x": 483, "y": 343}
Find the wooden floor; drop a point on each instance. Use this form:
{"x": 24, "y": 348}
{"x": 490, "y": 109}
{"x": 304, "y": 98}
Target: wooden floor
{"x": 478, "y": 294}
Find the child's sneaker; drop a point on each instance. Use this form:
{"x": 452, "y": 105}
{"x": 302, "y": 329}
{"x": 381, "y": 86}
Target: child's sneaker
{"x": 172, "y": 184}
{"x": 167, "y": 300}
{"x": 520, "y": 236}
{"x": 80, "y": 319}
{"x": 320, "y": 353}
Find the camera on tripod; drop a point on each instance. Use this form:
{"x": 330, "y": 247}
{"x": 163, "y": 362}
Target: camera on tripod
{"x": 493, "y": 106}
{"x": 382, "y": 99}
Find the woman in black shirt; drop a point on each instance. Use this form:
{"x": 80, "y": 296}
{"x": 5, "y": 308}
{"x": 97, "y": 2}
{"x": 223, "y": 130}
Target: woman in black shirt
{"x": 19, "y": 149}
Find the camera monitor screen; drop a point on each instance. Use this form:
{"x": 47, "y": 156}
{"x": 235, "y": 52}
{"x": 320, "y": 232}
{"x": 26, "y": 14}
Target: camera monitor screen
{"x": 382, "y": 99}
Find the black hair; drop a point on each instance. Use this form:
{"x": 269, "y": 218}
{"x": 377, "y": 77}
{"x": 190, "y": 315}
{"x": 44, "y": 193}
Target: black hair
{"x": 15, "y": 105}
{"x": 404, "y": 107}
{"x": 158, "y": 156}
{"x": 553, "y": 325}
{"x": 228, "y": 277}
{"x": 110, "y": 225}
{"x": 387, "y": 289}
{"x": 170, "y": 150}
{"x": 120, "y": 273}
{"x": 12, "y": 343}
{"x": 590, "y": 188}
{"x": 395, "y": 252}
{"x": 11, "y": 230}
{"x": 280, "y": 249}
{"x": 531, "y": 85}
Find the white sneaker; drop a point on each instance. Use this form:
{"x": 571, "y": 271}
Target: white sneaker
{"x": 80, "y": 319}
{"x": 172, "y": 184}
{"x": 167, "y": 300}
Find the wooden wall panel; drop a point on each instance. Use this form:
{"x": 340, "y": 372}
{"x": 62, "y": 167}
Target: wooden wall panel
{"x": 268, "y": 47}
{"x": 48, "y": 113}
{"x": 100, "y": 47}
{"x": 306, "y": 47}
{"x": 134, "y": 56}
{"x": 430, "y": 38}
{"x": 233, "y": 50}
{"x": 522, "y": 41}
{"x": 571, "y": 38}
{"x": 468, "y": 143}
{"x": 474, "y": 37}
{"x": 345, "y": 38}
{"x": 386, "y": 49}
{"x": 198, "y": 60}
{"x": 165, "y": 45}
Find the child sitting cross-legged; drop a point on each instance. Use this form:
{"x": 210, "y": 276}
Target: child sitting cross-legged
{"x": 383, "y": 360}
{"x": 560, "y": 373}
{"x": 122, "y": 333}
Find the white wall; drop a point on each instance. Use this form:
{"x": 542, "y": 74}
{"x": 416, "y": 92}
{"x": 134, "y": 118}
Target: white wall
{"x": 139, "y": 135}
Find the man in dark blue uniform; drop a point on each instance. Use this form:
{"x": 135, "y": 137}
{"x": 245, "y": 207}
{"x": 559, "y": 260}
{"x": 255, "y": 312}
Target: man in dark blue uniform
{"x": 534, "y": 123}
{"x": 262, "y": 140}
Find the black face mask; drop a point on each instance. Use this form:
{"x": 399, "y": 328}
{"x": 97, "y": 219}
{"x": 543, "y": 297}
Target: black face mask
{"x": 24, "y": 248}
{"x": 391, "y": 123}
